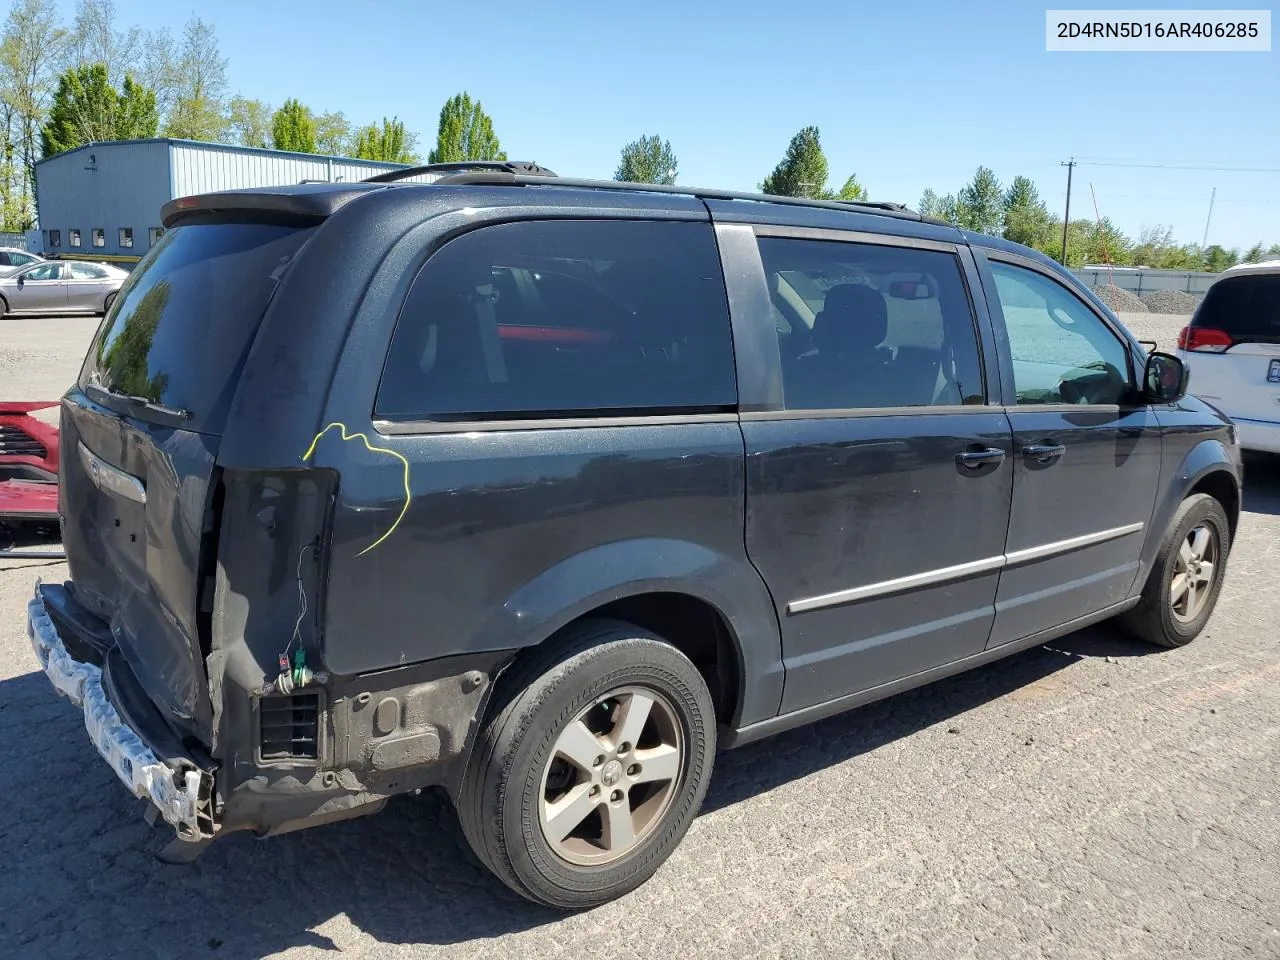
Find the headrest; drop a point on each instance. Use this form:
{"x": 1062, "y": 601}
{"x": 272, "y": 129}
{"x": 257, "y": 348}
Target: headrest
{"x": 853, "y": 319}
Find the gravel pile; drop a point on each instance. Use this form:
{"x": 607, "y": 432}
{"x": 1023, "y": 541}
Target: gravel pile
{"x": 1121, "y": 301}
{"x": 1171, "y": 301}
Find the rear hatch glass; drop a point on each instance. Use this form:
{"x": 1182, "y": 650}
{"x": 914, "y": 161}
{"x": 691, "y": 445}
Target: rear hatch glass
{"x": 178, "y": 333}
{"x": 1246, "y": 307}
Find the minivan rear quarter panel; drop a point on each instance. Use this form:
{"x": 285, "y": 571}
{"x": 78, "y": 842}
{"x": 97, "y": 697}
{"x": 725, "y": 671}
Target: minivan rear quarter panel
{"x": 495, "y": 511}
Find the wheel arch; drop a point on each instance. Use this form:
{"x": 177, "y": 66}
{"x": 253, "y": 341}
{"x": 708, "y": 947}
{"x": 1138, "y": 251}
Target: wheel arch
{"x": 712, "y": 607}
{"x": 1208, "y": 467}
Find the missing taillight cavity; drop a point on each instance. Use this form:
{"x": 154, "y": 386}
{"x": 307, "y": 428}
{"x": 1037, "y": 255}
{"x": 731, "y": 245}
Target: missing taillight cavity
{"x": 1204, "y": 340}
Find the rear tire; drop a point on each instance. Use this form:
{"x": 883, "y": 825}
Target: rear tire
{"x": 570, "y": 797}
{"x": 1186, "y": 578}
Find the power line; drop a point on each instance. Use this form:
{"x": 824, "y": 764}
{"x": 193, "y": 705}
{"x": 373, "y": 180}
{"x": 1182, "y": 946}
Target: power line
{"x": 1205, "y": 168}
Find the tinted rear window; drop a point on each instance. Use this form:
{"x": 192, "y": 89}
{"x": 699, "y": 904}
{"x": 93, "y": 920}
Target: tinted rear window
{"x": 564, "y": 317}
{"x": 1246, "y": 307}
{"x": 179, "y": 330}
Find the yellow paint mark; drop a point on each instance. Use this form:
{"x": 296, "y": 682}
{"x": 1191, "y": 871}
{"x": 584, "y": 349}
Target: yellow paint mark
{"x": 342, "y": 429}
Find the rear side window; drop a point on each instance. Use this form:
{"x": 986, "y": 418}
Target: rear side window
{"x": 564, "y": 317}
{"x": 181, "y": 325}
{"x": 1247, "y": 307}
{"x": 870, "y": 326}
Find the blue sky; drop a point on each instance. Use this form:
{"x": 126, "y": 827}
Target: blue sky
{"x": 906, "y": 95}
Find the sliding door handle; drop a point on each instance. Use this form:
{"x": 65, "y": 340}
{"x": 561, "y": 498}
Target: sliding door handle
{"x": 976, "y": 457}
{"x": 1043, "y": 452}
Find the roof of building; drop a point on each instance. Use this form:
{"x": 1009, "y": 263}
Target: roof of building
{"x": 226, "y": 147}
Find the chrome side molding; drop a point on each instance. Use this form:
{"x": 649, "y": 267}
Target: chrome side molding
{"x": 960, "y": 571}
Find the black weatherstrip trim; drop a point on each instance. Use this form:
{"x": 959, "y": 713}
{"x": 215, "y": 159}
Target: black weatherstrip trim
{"x": 420, "y": 427}
{"x": 852, "y": 236}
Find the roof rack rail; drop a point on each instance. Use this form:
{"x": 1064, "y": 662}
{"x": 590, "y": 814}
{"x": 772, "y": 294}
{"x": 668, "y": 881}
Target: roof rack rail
{"x": 511, "y": 178}
{"x": 515, "y": 167}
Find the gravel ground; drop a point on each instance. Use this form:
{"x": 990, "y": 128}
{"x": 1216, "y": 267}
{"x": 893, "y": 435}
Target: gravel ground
{"x": 1119, "y": 299}
{"x": 1171, "y": 301}
{"x": 1087, "y": 799}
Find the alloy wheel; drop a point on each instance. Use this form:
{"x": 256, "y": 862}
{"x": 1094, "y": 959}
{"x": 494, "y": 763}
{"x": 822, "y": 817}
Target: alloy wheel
{"x": 612, "y": 774}
{"x": 1193, "y": 573}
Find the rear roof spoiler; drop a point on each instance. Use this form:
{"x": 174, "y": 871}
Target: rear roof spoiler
{"x": 306, "y": 203}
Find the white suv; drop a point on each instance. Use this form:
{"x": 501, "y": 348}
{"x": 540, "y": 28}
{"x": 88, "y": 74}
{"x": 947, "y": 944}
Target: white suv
{"x": 1232, "y": 348}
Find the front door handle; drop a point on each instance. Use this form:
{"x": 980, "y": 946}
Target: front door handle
{"x": 1043, "y": 452}
{"x": 975, "y": 458}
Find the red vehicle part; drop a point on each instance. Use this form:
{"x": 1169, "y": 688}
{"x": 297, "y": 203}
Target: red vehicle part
{"x": 28, "y": 463}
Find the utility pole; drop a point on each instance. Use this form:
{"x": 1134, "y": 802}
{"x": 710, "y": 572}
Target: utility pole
{"x": 1205, "y": 239}
{"x": 1066, "y": 216}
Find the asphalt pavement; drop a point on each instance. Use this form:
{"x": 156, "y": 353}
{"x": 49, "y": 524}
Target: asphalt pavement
{"x": 1090, "y": 798}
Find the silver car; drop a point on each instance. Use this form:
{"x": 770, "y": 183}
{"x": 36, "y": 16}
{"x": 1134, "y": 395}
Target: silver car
{"x": 61, "y": 287}
{"x": 12, "y": 259}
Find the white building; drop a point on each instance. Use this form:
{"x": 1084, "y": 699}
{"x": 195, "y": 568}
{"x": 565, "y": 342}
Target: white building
{"x": 104, "y": 199}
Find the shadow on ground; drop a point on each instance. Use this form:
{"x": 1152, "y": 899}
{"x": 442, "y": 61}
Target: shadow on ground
{"x": 81, "y": 862}
{"x": 1262, "y": 484}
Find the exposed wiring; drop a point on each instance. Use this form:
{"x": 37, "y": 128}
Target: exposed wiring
{"x": 302, "y": 602}
{"x": 342, "y": 429}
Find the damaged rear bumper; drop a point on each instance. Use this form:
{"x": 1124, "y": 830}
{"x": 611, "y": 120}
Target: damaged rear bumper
{"x": 178, "y": 788}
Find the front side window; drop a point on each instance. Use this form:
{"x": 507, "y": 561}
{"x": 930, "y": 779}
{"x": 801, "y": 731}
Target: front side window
{"x": 1062, "y": 351}
{"x": 564, "y": 317}
{"x": 869, "y": 326}
{"x": 46, "y": 271}
{"x": 126, "y": 236}
{"x": 74, "y": 237}
{"x": 99, "y": 237}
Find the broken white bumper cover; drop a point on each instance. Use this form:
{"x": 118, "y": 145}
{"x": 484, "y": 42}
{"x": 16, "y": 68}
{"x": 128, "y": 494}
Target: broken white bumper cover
{"x": 175, "y": 793}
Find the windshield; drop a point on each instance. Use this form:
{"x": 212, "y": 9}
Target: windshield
{"x": 1246, "y": 307}
{"x": 183, "y": 322}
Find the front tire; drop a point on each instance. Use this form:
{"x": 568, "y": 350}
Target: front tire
{"x": 593, "y": 762}
{"x": 1186, "y": 578}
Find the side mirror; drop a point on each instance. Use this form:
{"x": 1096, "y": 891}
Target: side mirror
{"x": 22, "y": 279}
{"x": 1165, "y": 378}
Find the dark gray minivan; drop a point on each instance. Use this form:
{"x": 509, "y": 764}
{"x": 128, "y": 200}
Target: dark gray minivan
{"x": 540, "y": 489}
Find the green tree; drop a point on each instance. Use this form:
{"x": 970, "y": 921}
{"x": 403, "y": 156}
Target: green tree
{"x": 83, "y": 111}
{"x": 1026, "y": 219}
{"x": 249, "y": 122}
{"x": 648, "y": 160}
{"x": 1273, "y": 251}
{"x": 137, "y": 117}
{"x": 293, "y": 128}
{"x": 1255, "y": 255}
{"x": 93, "y": 38}
{"x": 389, "y": 143}
{"x": 30, "y": 48}
{"x": 1217, "y": 259}
{"x": 852, "y": 190}
{"x": 466, "y": 133}
{"x": 200, "y": 84}
{"x": 87, "y": 109}
{"x": 803, "y": 171}
{"x": 980, "y": 203}
{"x": 333, "y": 134}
